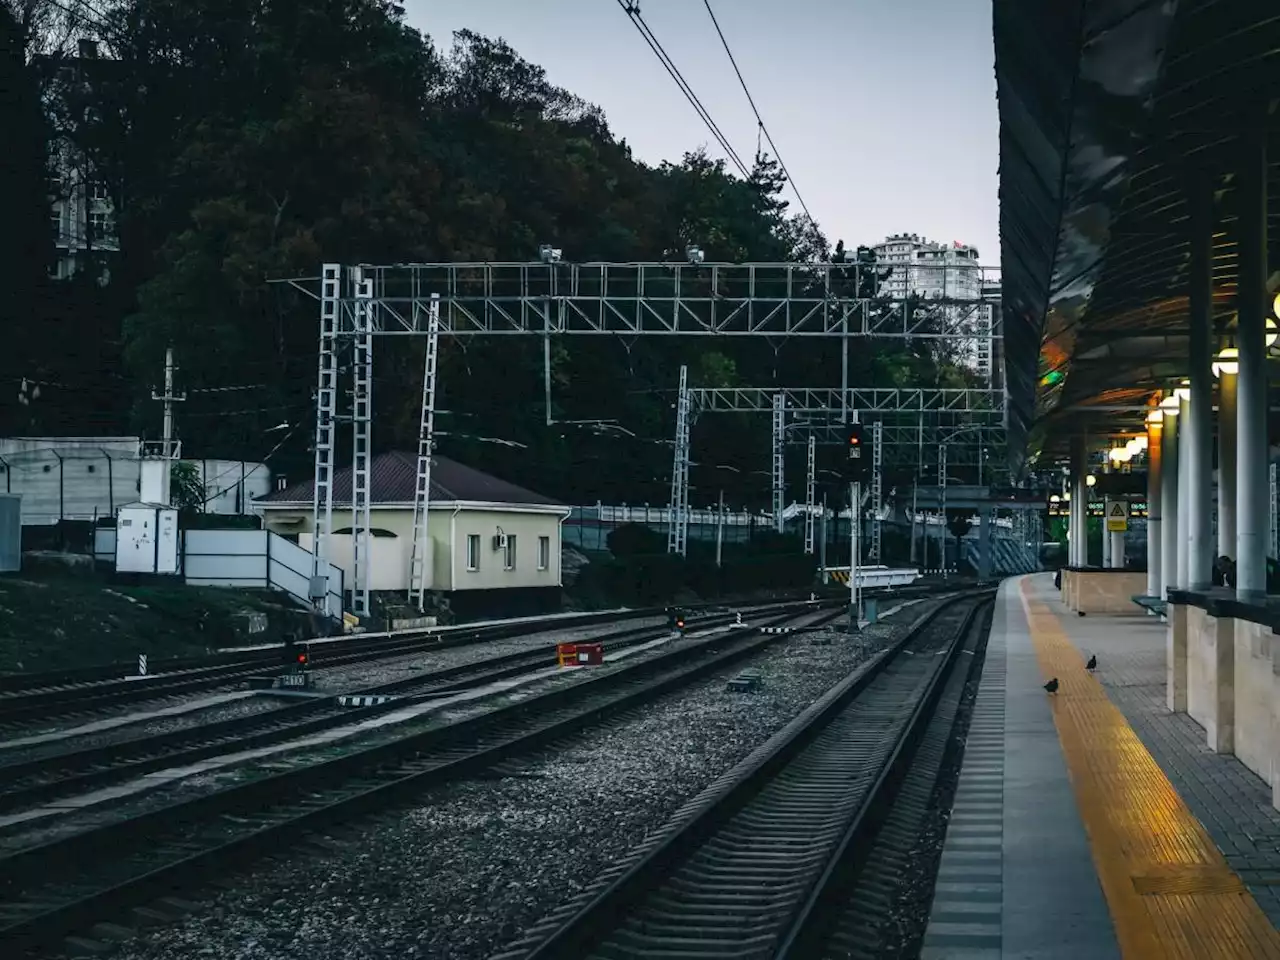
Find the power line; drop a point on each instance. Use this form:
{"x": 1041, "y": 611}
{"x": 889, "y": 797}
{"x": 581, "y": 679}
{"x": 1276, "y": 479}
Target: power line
{"x": 751, "y": 100}
{"x": 632, "y": 10}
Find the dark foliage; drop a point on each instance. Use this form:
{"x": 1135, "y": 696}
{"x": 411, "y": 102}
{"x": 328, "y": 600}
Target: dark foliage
{"x": 246, "y": 140}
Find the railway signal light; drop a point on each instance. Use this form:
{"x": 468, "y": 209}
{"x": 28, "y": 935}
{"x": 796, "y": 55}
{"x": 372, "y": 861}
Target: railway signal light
{"x": 302, "y": 658}
{"x": 856, "y": 459}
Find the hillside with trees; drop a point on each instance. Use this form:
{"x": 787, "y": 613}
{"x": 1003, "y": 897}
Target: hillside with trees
{"x": 242, "y": 141}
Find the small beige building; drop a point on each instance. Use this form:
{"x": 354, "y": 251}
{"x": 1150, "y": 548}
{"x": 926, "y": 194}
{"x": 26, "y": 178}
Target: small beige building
{"x": 485, "y": 533}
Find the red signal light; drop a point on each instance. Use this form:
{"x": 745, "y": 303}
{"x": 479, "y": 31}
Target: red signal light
{"x": 680, "y": 624}
{"x": 302, "y": 659}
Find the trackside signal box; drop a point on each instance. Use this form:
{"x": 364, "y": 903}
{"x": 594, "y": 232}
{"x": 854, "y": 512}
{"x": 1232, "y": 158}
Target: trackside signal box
{"x": 580, "y": 654}
{"x": 856, "y": 463}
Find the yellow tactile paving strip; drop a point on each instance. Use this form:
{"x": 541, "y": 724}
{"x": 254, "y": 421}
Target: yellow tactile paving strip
{"x": 1170, "y": 892}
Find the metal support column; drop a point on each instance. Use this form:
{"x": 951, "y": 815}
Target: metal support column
{"x": 1199, "y": 416}
{"x": 1184, "y": 486}
{"x": 877, "y": 487}
{"x": 678, "y": 516}
{"x": 942, "y": 482}
{"x": 1227, "y": 413}
{"x": 779, "y": 459}
{"x": 1077, "y": 552}
{"x": 1169, "y": 504}
{"x": 809, "y": 493}
{"x": 326, "y": 426}
{"x": 1106, "y": 537}
{"x": 362, "y": 428}
{"x": 1155, "y": 491}
{"x": 1252, "y": 515}
{"x": 421, "y": 548}
{"x": 984, "y": 543}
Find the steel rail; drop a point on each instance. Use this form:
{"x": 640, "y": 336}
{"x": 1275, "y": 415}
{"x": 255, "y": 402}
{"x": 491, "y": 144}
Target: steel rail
{"x": 52, "y": 889}
{"x": 728, "y": 874}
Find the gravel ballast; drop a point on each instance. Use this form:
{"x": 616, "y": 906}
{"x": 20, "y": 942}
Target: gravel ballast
{"x": 470, "y": 865}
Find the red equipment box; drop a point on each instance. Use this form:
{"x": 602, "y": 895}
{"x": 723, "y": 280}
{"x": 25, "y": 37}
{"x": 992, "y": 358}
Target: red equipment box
{"x": 580, "y": 654}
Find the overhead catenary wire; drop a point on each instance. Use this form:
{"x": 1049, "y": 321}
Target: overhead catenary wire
{"x": 632, "y": 11}
{"x": 759, "y": 120}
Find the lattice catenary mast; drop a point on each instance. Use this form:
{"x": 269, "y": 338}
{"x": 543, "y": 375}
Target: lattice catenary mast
{"x": 809, "y": 499}
{"x": 426, "y": 442}
{"x": 779, "y": 459}
{"x": 678, "y": 515}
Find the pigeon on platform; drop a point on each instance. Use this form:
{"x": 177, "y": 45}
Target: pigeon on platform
{"x": 1052, "y": 686}
{"x": 1092, "y": 664}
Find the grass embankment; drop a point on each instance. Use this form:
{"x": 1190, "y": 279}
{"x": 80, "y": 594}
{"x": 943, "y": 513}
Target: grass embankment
{"x": 53, "y": 621}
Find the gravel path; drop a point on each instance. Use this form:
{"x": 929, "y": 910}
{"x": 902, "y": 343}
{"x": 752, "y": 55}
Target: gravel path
{"x": 471, "y": 864}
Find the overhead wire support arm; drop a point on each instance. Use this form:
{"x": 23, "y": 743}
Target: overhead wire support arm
{"x": 661, "y": 298}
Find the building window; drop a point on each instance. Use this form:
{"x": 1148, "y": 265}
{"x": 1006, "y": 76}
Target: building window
{"x": 544, "y": 552}
{"x": 509, "y": 560}
{"x": 473, "y": 551}
{"x": 100, "y": 222}
{"x": 98, "y": 192}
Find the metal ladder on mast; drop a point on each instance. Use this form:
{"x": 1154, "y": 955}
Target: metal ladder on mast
{"x": 779, "y": 459}
{"x": 809, "y": 499}
{"x": 362, "y": 425}
{"x": 678, "y": 519}
{"x": 426, "y": 441}
{"x": 877, "y": 462}
{"x": 326, "y": 416}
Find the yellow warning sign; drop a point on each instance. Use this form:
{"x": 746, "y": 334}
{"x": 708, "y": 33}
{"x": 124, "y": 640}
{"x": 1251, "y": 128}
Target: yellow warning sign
{"x": 1117, "y": 516}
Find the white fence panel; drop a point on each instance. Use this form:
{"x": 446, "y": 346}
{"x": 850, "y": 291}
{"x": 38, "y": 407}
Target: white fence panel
{"x": 226, "y": 558}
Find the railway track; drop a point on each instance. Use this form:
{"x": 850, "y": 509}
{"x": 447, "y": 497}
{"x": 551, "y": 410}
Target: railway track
{"x": 51, "y": 890}
{"x": 70, "y": 700}
{"x": 436, "y": 637}
{"x": 40, "y": 779}
{"x": 793, "y": 853}
{"x": 69, "y": 695}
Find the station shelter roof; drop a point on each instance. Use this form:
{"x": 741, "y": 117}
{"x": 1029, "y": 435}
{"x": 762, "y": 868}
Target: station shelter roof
{"x": 1108, "y": 108}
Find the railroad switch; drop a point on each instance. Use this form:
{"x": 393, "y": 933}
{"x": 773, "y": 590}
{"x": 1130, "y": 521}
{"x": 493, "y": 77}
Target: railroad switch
{"x": 745, "y": 682}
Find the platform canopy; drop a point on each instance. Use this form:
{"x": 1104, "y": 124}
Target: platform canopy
{"x": 1107, "y": 109}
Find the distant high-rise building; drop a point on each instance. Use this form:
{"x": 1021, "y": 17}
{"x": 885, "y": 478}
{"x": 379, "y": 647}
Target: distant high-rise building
{"x": 81, "y": 210}
{"x": 942, "y": 271}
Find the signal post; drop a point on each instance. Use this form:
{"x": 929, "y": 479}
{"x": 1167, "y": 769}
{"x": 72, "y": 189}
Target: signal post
{"x": 855, "y": 465}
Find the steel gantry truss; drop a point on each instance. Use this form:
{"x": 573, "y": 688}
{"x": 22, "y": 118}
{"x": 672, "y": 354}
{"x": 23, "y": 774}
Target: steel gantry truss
{"x": 725, "y": 299}
{"x": 678, "y": 515}
{"x": 626, "y": 299}
{"x": 978, "y": 404}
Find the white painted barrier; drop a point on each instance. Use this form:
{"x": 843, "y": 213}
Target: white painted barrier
{"x": 876, "y": 576}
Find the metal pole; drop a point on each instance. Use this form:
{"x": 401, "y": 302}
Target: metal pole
{"x": 1227, "y": 413}
{"x": 855, "y": 492}
{"x": 1169, "y": 504}
{"x": 720, "y": 529}
{"x": 942, "y": 481}
{"x": 1155, "y": 489}
{"x": 1199, "y": 425}
{"x": 1252, "y": 512}
{"x": 822, "y": 543}
{"x": 1184, "y": 487}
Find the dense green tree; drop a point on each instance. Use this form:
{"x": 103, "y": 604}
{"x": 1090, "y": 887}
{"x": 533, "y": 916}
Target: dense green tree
{"x": 250, "y": 140}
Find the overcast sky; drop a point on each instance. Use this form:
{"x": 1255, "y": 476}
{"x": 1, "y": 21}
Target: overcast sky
{"x": 883, "y": 110}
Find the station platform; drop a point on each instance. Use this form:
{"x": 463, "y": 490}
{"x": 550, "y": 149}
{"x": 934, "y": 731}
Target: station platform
{"x": 1093, "y": 822}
